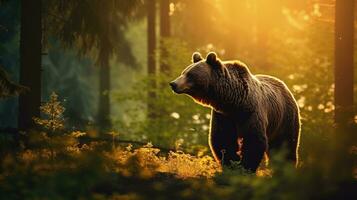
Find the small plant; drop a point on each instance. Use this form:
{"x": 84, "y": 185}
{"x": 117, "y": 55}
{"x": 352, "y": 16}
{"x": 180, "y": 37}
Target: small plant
{"x": 53, "y": 110}
{"x": 113, "y": 134}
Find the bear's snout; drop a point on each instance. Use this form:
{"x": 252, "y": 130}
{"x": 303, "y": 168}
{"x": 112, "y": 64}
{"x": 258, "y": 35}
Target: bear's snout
{"x": 173, "y": 85}
{"x": 179, "y": 85}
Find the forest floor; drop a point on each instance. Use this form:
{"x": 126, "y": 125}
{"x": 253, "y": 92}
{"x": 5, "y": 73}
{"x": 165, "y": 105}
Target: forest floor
{"x": 61, "y": 167}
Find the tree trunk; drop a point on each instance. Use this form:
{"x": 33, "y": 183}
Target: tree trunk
{"x": 165, "y": 18}
{"x": 151, "y": 23}
{"x": 164, "y": 32}
{"x": 104, "y": 97}
{"x": 345, "y": 135}
{"x": 30, "y": 62}
{"x": 344, "y": 30}
{"x": 261, "y": 32}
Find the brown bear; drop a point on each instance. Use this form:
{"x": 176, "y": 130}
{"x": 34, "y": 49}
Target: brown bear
{"x": 258, "y": 110}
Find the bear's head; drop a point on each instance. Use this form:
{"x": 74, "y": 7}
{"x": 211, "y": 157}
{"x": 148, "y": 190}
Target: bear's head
{"x": 198, "y": 78}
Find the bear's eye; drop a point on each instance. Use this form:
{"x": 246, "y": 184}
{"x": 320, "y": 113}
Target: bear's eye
{"x": 190, "y": 76}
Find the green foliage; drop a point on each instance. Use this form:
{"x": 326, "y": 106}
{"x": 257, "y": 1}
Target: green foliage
{"x": 177, "y": 116}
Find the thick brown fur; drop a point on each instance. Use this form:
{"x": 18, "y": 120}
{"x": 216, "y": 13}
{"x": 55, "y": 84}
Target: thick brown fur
{"x": 259, "y": 109}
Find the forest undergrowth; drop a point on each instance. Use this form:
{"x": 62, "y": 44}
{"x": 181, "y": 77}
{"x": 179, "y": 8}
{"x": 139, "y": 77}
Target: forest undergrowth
{"x": 52, "y": 163}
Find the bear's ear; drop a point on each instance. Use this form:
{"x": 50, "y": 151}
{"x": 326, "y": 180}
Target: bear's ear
{"x": 196, "y": 57}
{"x": 211, "y": 58}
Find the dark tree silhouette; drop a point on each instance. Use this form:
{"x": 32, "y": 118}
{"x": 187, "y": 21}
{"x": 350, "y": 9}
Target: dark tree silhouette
{"x": 165, "y": 18}
{"x": 165, "y": 31}
{"x": 97, "y": 25}
{"x": 9, "y": 88}
{"x": 151, "y": 34}
{"x": 345, "y": 126}
{"x": 30, "y": 62}
{"x": 344, "y": 39}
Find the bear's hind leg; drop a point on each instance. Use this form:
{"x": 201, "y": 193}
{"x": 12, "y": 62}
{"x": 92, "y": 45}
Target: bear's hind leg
{"x": 293, "y": 141}
{"x": 288, "y": 139}
{"x": 253, "y": 151}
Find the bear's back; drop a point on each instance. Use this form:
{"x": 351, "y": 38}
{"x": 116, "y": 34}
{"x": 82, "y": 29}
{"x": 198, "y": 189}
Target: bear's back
{"x": 274, "y": 87}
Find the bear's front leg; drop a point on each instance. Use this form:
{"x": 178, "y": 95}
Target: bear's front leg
{"x": 255, "y": 144}
{"x": 223, "y": 139}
